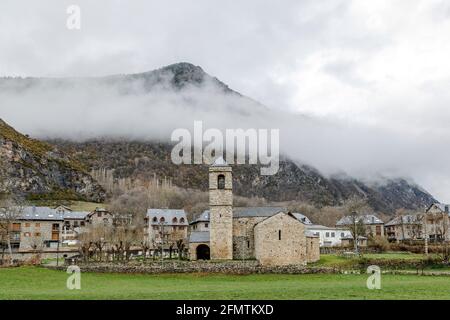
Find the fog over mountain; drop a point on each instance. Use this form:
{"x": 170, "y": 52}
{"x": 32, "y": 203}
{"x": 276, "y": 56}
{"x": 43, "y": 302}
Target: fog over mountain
{"x": 149, "y": 106}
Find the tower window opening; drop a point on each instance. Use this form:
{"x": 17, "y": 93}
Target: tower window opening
{"x": 221, "y": 181}
{"x": 279, "y": 234}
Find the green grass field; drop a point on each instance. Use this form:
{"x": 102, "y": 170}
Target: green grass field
{"x": 40, "y": 283}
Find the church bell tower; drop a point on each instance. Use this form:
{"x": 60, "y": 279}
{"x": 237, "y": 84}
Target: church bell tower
{"x": 221, "y": 210}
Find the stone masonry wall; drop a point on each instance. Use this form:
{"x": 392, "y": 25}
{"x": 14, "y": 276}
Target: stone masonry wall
{"x": 280, "y": 240}
{"x": 313, "y": 249}
{"x": 225, "y": 267}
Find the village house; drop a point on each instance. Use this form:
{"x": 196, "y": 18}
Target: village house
{"x": 373, "y": 225}
{"x": 47, "y": 231}
{"x": 166, "y": 227}
{"x": 329, "y": 237}
{"x": 436, "y": 222}
{"x": 401, "y": 228}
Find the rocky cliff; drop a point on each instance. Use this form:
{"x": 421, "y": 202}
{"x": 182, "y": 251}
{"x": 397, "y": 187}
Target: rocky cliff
{"x": 37, "y": 170}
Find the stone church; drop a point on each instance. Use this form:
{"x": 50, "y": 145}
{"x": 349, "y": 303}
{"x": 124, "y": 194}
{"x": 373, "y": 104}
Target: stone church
{"x": 271, "y": 235}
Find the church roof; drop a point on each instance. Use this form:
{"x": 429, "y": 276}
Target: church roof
{"x": 302, "y": 218}
{"x": 241, "y": 212}
{"x": 203, "y": 217}
{"x": 199, "y": 236}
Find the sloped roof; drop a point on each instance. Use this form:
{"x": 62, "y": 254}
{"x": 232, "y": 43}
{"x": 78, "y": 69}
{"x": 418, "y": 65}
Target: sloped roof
{"x": 241, "y": 212}
{"x": 168, "y": 215}
{"x": 302, "y": 218}
{"x": 199, "y": 236}
{"x": 319, "y": 227}
{"x": 203, "y": 217}
{"x": 441, "y": 206}
{"x": 407, "y": 219}
{"x": 41, "y": 213}
{"x": 366, "y": 219}
{"x": 79, "y": 215}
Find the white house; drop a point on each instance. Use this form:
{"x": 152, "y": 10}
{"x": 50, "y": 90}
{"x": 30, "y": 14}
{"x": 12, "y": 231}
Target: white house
{"x": 328, "y": 237}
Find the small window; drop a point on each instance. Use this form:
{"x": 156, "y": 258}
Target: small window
{"x": 342, "y": 235}
{"x": 37, "y": 225}
{"x": 206, "y": 225}
{"x": 26, "y": 234}
{"x": 82, "y": 223}
{"x": 279, "y": 234}
{"x": 221, "y": 181}
{"x": 155, "y": 219}
{"x": 182, "y": 220}
{"x": 248, "y": 244}
{"x": 37, "y": 234}
{"x": 327, "y": 234}
{"x": 333, "y": 234}
{"x": 99, "y": 214}
{"x": 175, "y": 220}
{"x": 27, "y": 225}
{"x": 162, "y": 220}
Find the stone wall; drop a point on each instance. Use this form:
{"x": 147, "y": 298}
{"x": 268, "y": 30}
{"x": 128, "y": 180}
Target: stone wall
{"x": 34, "y": 233}
{"x": 280, "y": 240}
{"x": 193, "y": 249}
{"x": 312, "y": 249}
{"x": 225, "y": 267}
{"x": 221, "y": 214}
{"x": 243, "y": 237}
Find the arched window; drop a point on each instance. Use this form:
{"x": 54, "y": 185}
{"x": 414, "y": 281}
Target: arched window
{"x": 221, "y": 181}
{"x": 162, "y": 220}
{"x": 155, "y": 219}
{"x": 182, "y": 220}
{"x": 174, "y": 220}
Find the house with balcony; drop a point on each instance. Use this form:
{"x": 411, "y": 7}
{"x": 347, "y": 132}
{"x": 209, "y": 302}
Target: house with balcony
{"x": 406, "y": 227}
{"x": 373, "y": 226}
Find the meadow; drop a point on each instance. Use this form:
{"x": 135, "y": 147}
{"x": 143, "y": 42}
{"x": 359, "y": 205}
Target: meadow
{"x": 40, "y": 283}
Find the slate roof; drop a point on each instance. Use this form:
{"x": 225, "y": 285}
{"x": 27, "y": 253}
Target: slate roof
{"x": 407, "y": 219}
{"x": 199, "y": 236}
{"x": 366, "y": 219}
{"x": 441, "y": 206}
{"x": 41, "y": 213}
{"x": 302, "y": 218}
{"x": 241, "y": 212}
{"x": 77, "y": 215}
{"x": 319, "y": 227}
{"x": 203, "y": 217}
{"x": 168, "y": 215}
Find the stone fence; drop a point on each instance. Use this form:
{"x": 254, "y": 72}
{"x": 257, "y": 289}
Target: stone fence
{"x": 225, "y": 267}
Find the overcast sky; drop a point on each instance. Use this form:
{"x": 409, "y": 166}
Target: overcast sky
{"x": 379, "y": 64}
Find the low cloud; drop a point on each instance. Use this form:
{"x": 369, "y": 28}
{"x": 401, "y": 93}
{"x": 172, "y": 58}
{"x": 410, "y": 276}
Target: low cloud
{"x": 118, "y": 107}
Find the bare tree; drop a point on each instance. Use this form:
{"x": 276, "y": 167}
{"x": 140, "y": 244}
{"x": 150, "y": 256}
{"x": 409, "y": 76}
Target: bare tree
{"x": 10, "y": 211}
{"x": 355, "y": 207}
